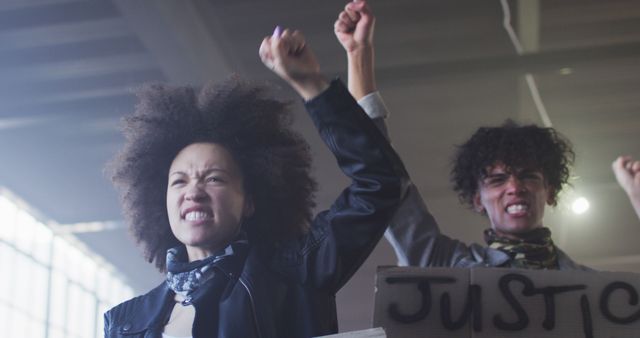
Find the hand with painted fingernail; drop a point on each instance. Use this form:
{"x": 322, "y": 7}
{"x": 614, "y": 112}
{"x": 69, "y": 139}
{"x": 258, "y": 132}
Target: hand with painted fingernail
{"x": 287, "y": 54}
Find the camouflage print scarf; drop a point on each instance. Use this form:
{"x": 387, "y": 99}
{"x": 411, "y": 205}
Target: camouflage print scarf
{"x": 534, "y": 250}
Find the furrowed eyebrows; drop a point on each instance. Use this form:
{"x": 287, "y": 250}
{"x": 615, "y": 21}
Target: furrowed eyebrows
{"x": 531, "y": 170}
{"x": 534, "y": 172}
{"x": 494, "y": 175}
{"x": 497, "y": 174}
{"x": 211, "y": 170}
{"x": 205, "y": 172}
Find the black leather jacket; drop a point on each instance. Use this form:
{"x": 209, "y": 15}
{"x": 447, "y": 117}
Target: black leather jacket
{"x": 288, "y": 290}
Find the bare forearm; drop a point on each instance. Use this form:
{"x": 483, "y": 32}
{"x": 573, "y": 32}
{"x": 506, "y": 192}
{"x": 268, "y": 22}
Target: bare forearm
{"x": 361, "y": 72}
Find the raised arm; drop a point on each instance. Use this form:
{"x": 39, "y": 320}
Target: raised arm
{"x": 343, "y": 236}
{"x": 627, "y": 173}
{"x": 413, "y": 231}
{"x": 354, "y": 30}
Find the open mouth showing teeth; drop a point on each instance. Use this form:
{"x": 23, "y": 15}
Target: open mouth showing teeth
{"x": 517, "y": 208}
{"x": 197, "y": 216}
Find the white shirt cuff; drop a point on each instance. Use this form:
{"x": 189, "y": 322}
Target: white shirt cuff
{"x": 373, "y": 105}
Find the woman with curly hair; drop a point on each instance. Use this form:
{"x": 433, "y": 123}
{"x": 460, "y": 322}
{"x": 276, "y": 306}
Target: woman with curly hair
{"x": 508, "y": 173}
{"x": 217, "y": 190}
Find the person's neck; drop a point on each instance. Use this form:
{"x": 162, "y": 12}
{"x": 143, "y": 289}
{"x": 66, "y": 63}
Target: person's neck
{"x": 199, "y": 253}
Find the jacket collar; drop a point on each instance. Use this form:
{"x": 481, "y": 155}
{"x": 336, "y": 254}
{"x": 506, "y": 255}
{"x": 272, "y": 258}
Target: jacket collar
{"x": 496, "y": 257}
{"x": 150, "y": 312}
{"x": 566, "y": 263}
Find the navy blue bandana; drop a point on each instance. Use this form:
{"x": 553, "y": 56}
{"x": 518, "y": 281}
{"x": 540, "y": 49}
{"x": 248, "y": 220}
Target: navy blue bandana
{"x": 184, "y": 277}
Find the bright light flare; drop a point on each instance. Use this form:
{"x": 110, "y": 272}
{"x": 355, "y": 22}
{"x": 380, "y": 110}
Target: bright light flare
{"x": 580, "y": 206}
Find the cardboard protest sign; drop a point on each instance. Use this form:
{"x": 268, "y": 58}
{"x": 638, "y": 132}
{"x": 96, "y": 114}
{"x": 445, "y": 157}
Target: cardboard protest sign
{"x": 407, "y": 300}
{"x": 440, "y": 302}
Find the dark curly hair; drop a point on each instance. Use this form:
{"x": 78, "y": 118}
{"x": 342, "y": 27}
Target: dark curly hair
{"x": 274, "y": 160}
{"x": 516, "y": 146}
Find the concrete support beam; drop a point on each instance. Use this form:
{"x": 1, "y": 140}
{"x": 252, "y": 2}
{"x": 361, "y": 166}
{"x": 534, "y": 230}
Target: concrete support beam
{"x": 179, "y": 38}
{"x": 508, "y": 64}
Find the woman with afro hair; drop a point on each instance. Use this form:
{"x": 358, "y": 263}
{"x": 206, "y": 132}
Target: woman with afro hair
{"x": 216, "y": 188}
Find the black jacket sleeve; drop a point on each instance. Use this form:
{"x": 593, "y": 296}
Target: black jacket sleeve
{"x": 343, "y": 236}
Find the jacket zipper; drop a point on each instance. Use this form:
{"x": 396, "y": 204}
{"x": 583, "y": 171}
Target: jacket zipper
{"x": 253, "y": 307}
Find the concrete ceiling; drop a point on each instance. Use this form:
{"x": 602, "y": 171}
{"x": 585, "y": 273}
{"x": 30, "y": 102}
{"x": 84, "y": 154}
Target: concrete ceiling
{"x": 444, "y": 67}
